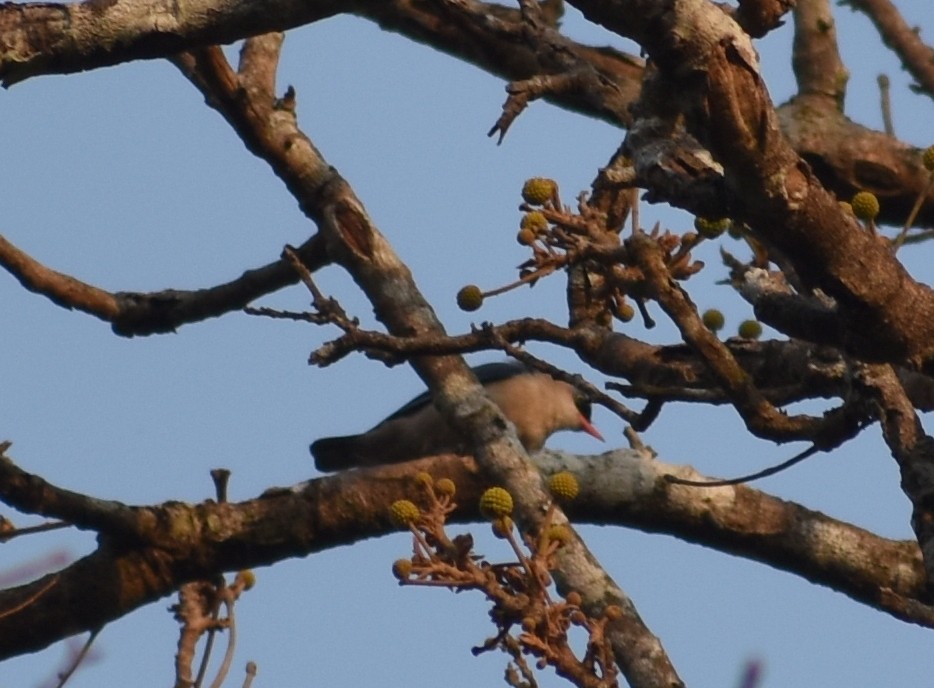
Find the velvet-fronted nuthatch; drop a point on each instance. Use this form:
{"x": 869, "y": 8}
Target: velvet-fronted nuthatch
{"x": 536, "y": 403}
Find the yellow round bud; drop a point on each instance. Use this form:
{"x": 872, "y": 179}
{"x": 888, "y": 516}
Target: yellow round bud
{"x": 558, "y": 533}
{"x": 574, "y": 598}
{"x": 750, "y": 329}
{"x": 424, "y": 479}
{"x": 445, "y": 487}
{"x": 927, "y": 158}
{"x": 563, "y": 486}
{"x": 535, "y": 221}
{"x": 538, "y": 190}
{"x": 624, "y": 311}
{"x": 404, "y": 512}
{"x": 711, "y": 228}
{"x": 502, "y": 527}
{"x": 526, "y": 236}
{"x": 495, "y": 502}
{"x": 248, "y": 578}
{"x": 865, "y": 205}
{"x": 613, "y": 613}
{"x": 713, "y": 319}
{"x": 470, "y": 298}
{"x": 402, "y": 568}
{"x": 528, "y": 624}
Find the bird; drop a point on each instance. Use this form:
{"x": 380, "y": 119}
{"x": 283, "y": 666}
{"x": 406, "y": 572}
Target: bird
{"x": 536, "y": 403}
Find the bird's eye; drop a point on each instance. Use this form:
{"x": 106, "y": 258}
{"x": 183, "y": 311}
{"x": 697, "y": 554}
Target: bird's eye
{"x": 583, "y": 405}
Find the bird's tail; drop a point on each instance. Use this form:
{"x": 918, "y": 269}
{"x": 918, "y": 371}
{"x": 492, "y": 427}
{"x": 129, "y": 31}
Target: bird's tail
{"x": 335, "y": 453}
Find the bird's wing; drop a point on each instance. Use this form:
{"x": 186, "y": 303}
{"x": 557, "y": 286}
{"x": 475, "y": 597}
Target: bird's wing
{"x": 486, "y": 374}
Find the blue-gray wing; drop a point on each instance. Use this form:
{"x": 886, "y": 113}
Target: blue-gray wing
{"x": 486, "y": 374}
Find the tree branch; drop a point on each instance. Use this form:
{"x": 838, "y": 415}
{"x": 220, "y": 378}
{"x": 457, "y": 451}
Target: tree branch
{"x": 496, "y": 39}
{"x": 815, "y": 56}
{"x": 136, "y": 313}
{"x": 712, "y": 77}
{"x": 60, "y": 288}
{"x": 758, "y": 17}
{"x": 270, "y": 131}
{"x": 61, "y": 38}
{"x": 783, "y": 371}
{"x": 33, "y": 495}
{"x": 912, "y": 449}
{"x": 625, "y": 488}
{"x": 905, "y": 41}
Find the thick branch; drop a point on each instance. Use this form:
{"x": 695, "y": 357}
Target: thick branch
{"x": 49, "y": 38}
{"x": 758, "y": 17}
{"x": 913, "y": 450}
{"x": 624, "y": 488}
{"x": 815, "y": 55}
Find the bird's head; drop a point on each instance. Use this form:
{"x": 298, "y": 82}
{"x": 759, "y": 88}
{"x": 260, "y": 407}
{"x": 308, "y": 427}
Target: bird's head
{"x": 538, "y": 405}
{"x": 584, "y": 409}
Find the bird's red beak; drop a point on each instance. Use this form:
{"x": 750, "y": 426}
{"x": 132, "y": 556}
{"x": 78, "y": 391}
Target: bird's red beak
{"x": 587, "y": 427}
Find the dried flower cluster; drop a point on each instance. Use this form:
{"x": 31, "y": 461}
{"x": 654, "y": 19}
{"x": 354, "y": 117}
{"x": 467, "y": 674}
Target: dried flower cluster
{"x": 198, "y": 612}
{"x": 529, "y": 621}
{"x": 560, "y": 238}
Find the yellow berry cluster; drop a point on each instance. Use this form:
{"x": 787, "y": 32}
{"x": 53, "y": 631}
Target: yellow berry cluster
{"x": 404, "y": 512}
{"x": 539, "y": 190}
{"x": 712, "y": 228}
{"x": 865, "y": 206}
{"x": 470, "y": 298}
{"x": 496, "y": 502}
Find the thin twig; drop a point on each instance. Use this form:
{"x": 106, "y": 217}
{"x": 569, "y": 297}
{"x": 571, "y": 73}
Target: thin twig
{"x": 209, "y": 643}
{"x": 772, "y": 470}
{"x": 30, "y": 530}
{"x": 220, "y": 476}
{"x": 250, "y": 674}
{"x": 231, "y": 644}
{"x": 915, "y": 209}
{"x": 78, "y": 658}
{"x": 886, "y": 104}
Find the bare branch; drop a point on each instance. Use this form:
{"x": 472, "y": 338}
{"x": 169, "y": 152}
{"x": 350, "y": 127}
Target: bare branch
{"x": 816, "y": 57}
{"x": 912, "y": 449}
{"x": 40, "y": 43}
{"x": 60, "y": 288}
{"x": 31, "y": 494}
{"x": 761, "y": 417}
{"x": 354, "y": 242}
{"x": 905, "y": 41}
{"x": 491, "y": 37}
{"x": 50, "y": 38}
{"x": 730, "y": 112}
{"x": 758, "y": 17}
{"x": 136, "y": 313}
{"x": 624, "y": 488}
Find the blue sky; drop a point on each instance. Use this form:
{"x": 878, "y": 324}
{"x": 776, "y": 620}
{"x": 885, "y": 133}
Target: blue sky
{"x": 123, "y": 178}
